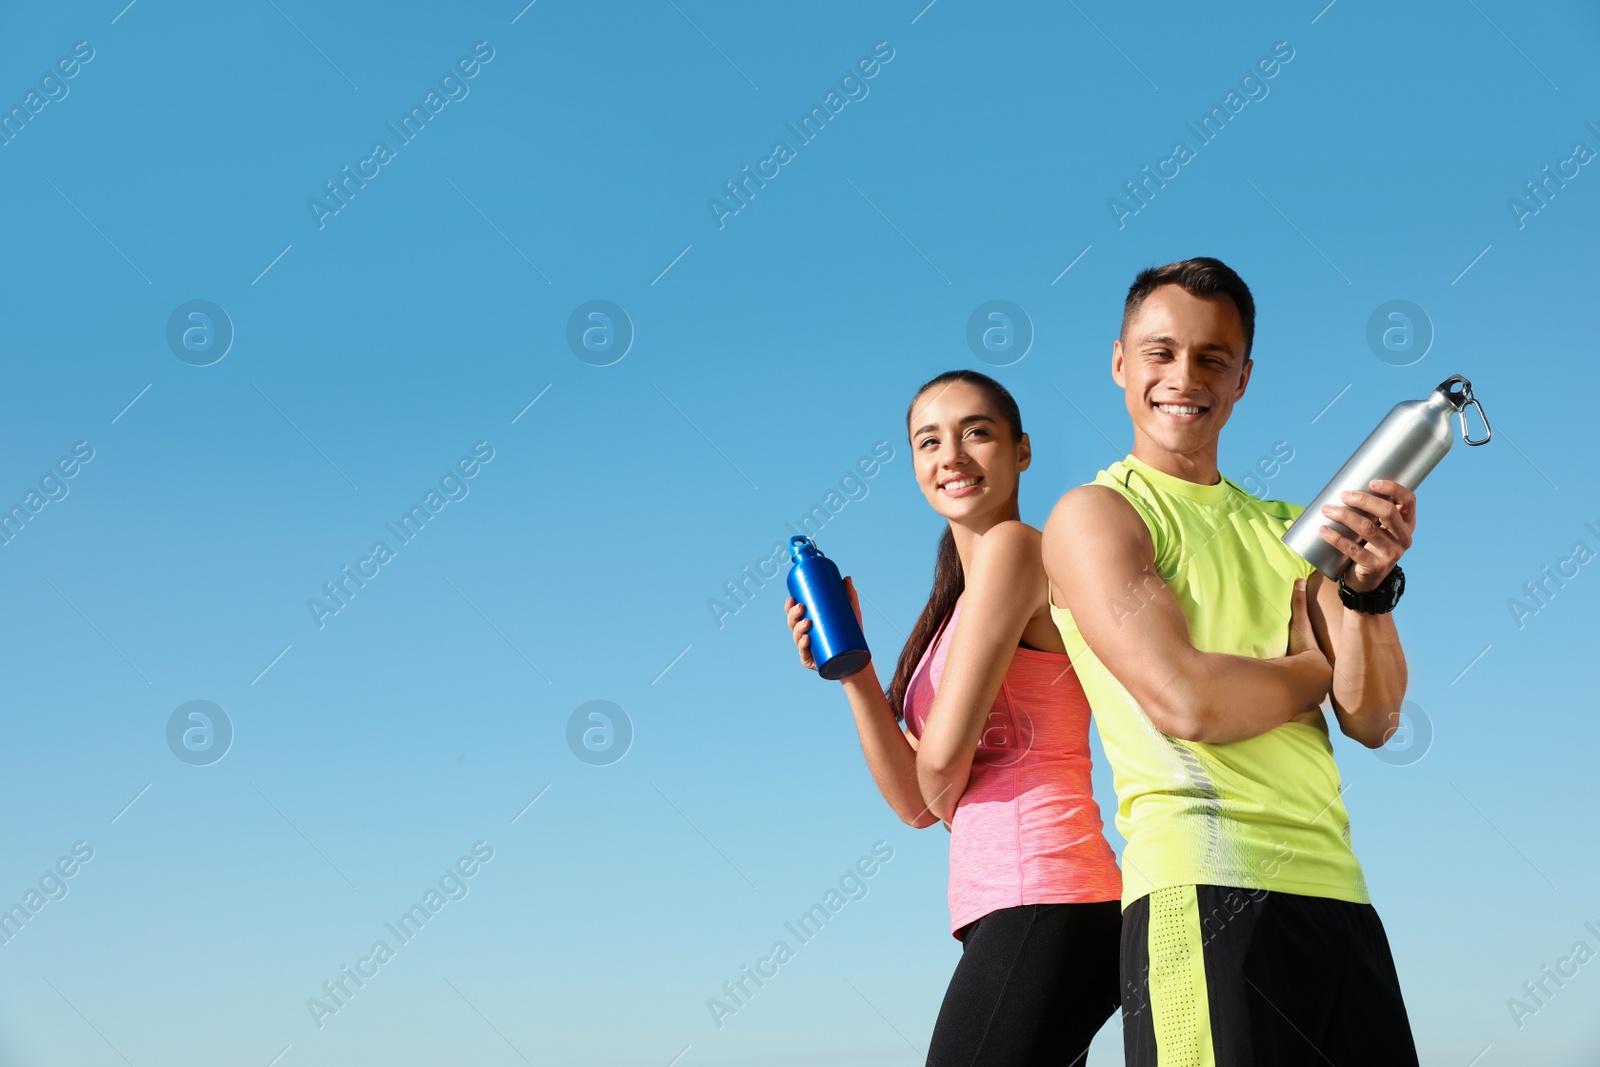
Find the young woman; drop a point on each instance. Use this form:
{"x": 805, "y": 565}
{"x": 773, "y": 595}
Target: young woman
{"x": 995, "y": 745}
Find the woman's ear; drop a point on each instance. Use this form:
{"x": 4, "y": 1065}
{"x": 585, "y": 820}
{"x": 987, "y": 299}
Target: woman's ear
{"x": 1024, "y": 454}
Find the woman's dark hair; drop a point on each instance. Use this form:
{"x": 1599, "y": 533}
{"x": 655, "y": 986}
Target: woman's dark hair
{"x": 948, "y": 578}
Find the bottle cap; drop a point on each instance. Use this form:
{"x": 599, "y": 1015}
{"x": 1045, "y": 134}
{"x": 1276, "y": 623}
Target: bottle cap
{"x": 801, "y": 546}
{"x": 1457, "y": 390}
{"x": 1461, "y": 399}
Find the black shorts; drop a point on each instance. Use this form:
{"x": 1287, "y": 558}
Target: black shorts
{"x": 1034, "y": 985}
{"x": 1251, "y": 978}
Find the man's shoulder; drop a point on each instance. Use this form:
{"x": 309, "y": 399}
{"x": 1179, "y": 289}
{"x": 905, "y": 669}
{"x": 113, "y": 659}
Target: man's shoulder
{"x": 1114, "y": 475}
{"x": 1099, "y": 521}
{"x": 1093, "y": 506}
{"x": 1135, "y": 498}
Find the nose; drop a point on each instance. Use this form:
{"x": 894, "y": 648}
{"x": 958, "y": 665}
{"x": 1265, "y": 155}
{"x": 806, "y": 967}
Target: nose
{"x": 1184, "y": 372}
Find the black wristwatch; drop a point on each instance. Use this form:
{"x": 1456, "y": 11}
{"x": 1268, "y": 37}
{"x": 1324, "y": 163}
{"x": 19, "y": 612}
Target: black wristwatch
{"x": 1378, "y": 601}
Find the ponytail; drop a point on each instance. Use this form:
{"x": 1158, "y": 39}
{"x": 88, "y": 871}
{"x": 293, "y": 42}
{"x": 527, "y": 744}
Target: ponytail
{"x": 948, "y": 582}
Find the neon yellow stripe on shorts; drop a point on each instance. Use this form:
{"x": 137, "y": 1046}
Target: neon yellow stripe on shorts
{"x": 1178, "y": 1001}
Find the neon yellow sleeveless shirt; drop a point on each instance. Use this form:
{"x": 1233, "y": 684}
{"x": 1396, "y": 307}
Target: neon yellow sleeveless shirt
{"x": 1258, "y": 814}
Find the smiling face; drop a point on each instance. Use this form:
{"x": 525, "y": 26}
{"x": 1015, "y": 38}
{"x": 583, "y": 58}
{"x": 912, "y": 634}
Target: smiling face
{"x": 1182, "y": 365}
{"x": 965, "y": 458}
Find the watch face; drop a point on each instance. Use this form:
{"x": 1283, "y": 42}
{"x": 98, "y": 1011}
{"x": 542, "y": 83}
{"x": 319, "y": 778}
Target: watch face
{"x": 1387, "y": 595}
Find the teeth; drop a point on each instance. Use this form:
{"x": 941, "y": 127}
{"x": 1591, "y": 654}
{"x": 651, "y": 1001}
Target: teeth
{"x": 960, "y": 483}
{"x": 1179, "y": 409}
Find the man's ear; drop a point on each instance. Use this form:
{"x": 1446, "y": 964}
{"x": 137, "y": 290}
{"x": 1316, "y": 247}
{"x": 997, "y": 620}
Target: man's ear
{"x": 1116, "y": 364}
{"x": 1244, "y": 379}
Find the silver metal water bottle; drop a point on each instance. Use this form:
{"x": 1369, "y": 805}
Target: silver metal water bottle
{"x": 1406, "y": 446}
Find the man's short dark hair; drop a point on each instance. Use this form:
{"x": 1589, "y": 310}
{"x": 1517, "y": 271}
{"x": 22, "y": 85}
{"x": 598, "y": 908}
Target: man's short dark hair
{"x": 1201, "y": 276}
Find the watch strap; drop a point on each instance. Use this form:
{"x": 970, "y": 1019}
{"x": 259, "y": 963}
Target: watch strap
{"x": 1379, "y": 600}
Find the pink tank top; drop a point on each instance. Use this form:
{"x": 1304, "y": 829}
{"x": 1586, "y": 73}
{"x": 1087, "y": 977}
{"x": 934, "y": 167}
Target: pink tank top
{"x": 1027, "y": 829}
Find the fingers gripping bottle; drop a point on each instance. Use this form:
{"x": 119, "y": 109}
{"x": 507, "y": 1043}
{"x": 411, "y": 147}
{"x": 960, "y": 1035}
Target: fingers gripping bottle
{"x": 1406, "y": 446}
{"x": 837, "y": 643}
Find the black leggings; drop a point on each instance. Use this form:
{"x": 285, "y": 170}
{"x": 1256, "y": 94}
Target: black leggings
{"x": 1034, "y": 986}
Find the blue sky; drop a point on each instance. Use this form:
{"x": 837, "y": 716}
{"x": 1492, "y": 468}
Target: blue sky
{"x": 373, "y": 349}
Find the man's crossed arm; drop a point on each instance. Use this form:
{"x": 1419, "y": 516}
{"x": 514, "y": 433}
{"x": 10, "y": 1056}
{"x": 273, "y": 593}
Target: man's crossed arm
{"x": 1096, "y": 547}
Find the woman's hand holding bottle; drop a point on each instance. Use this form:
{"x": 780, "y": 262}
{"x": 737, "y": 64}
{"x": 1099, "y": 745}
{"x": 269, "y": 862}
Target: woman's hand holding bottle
{"x": 800, "y": 626}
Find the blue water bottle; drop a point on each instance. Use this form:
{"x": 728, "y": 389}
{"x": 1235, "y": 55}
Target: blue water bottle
{"x": 837, "y": 643}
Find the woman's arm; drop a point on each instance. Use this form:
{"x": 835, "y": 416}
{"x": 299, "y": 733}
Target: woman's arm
{"x": 891, "y": 756}
{"x": 1005, "y": 587}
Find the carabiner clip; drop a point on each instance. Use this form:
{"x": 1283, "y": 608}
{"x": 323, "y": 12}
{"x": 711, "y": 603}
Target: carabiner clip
{"x": 1461, "y": 413}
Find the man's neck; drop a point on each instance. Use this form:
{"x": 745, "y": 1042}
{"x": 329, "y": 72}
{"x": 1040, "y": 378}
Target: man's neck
{"x": 1199, "y": 467}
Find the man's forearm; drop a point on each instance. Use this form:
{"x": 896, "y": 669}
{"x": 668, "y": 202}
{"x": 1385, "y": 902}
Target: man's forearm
{"x": 1218, "y": 698}
{"x": 1369, "y": 678}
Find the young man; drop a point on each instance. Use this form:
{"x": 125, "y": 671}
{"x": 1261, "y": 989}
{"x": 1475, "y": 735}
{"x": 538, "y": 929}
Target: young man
{"x": 1248, "y": 937}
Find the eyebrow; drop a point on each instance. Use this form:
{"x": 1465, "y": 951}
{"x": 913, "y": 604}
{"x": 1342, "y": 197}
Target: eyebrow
{"x": 965, "y": 421}
{"x": 1163, "y": 339}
